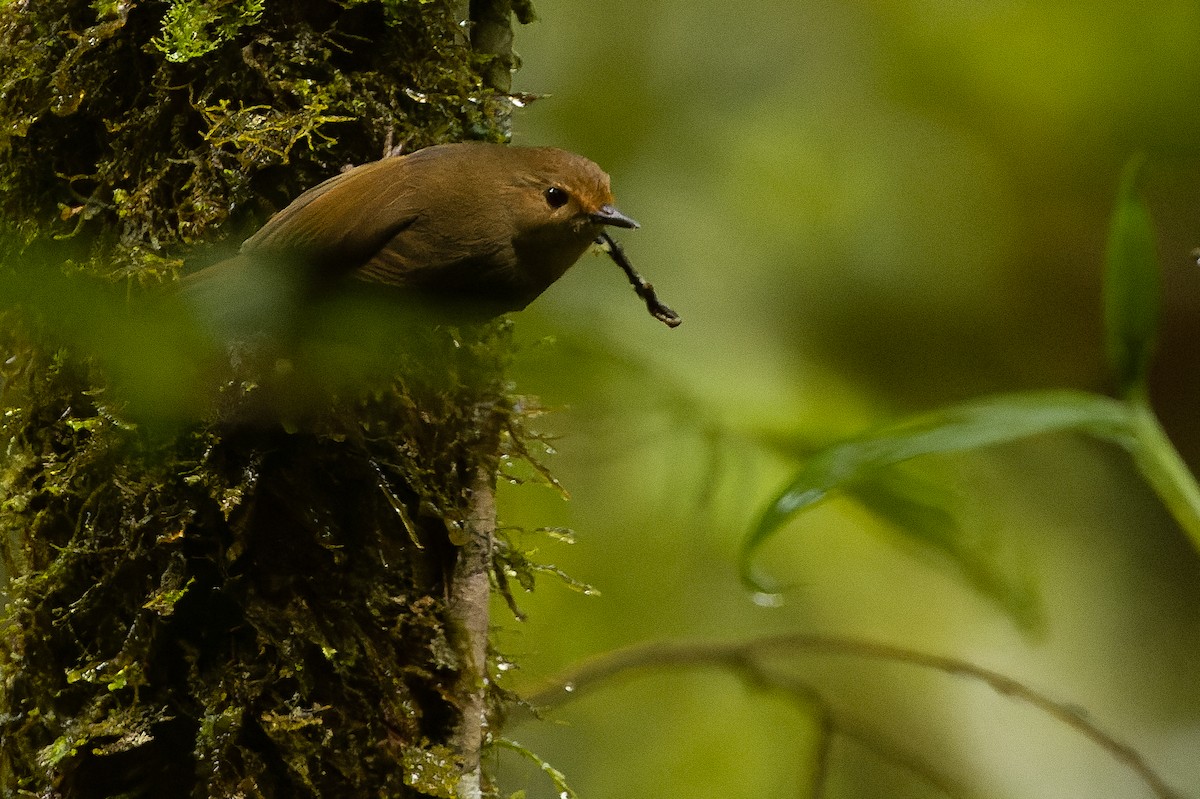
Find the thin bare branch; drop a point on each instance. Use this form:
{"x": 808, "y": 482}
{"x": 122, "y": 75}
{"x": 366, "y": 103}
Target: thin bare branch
{"x": 746, "y": 656}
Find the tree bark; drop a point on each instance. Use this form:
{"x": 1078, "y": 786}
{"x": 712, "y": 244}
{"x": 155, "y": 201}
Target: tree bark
{"x": 258, "y": 577}
{"x": 469, "y": 614}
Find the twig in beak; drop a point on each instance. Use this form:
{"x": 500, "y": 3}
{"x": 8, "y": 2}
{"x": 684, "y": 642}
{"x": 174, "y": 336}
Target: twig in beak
{"x": 644, "y": 288}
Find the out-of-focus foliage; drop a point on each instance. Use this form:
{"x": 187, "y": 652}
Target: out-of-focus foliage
{"x": 866, "y": 212}
{"x": 1132, "y": 287}
{"x": 865, "y": 466}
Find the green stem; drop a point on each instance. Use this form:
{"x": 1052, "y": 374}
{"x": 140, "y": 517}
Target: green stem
{"x": 1165, "y": 470}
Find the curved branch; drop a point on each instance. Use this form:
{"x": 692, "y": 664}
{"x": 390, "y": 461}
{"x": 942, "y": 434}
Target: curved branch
{"x": 744, "y": 656}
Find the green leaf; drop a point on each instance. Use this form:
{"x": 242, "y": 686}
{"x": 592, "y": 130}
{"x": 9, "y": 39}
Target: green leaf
{"x": 925, "y": 506}
{"x": 1132, "y": 277}
{"x": 1165, "y": 470}
{"x": 972, "y": 425}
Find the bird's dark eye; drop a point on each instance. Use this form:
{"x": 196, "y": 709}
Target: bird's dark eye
{"x": 556, "y": 197}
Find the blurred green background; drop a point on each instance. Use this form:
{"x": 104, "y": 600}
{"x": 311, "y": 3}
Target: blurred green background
{"x": 861, "y": 210}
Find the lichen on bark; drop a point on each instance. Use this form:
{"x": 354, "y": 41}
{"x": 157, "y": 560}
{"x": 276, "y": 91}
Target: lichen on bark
{"x": 249, "y": 598}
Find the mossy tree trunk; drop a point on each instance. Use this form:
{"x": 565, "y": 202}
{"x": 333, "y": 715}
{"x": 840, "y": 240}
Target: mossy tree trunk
{"x": 209, "y": 593}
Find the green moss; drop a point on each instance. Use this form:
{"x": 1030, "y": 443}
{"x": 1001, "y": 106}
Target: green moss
{"x": 192, "y": 28}
{"x": 241, "y": 592}
{"x": 431, "y": 770}
{"x": 238, "y": 596}
{"x": 182, "y": 116}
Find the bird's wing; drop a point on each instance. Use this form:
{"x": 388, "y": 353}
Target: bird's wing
{"x": 344, "y": 221}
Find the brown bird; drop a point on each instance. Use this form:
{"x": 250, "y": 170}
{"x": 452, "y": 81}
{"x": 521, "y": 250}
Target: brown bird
{"x": 490, "y": 224}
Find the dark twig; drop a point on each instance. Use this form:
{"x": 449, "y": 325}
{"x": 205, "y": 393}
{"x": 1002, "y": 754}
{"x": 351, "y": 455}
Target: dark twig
{"x": 735, "y": 655}
{"x": 643, "y": 287}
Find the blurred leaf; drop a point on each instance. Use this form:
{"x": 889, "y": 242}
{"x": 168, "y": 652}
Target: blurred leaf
{"x": 1131, "y": 285}
{"x": 926, "y": 508}
{"x": 149, "y": 348}
{"x": 1165, "y": 470}
{"x": 981, "y": 423}
{"x": 162, "y": 356}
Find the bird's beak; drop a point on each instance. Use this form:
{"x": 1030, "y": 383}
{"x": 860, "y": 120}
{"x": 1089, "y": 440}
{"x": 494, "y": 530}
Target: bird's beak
{"x": 609, "y": 215}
